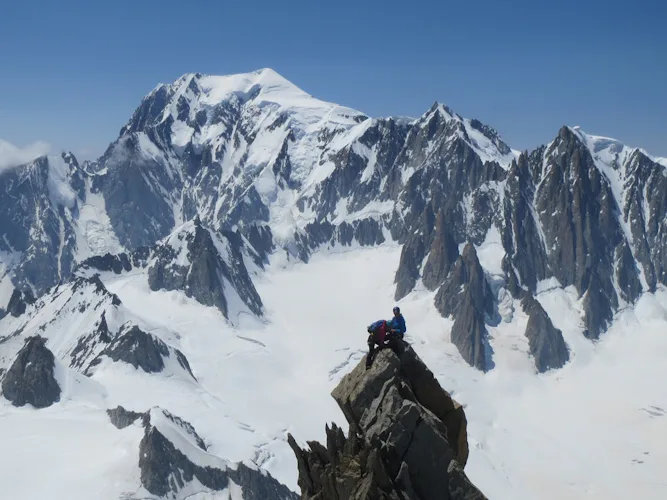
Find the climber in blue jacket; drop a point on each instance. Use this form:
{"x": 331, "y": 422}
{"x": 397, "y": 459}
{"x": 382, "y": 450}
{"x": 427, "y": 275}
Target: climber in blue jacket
{"x": 397, "y": 323}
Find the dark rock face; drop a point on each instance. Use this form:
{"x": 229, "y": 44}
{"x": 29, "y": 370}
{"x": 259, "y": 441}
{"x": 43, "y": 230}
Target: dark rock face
{"x": 466, "y": 295}
{"x": 121, "y": 418}
{"x": 547, "y": 345}
{"x": 31, "y": 380}
{"x": 141, "y": 350}
{"x": 579, "y": 216}
{"x": 627, "y": 274}
{"x": 443, "y": 254}
{"x": 89, "y": 344}
{"x": 204, "y": 275}
{"x": 108, "y": 262}
{"x": 407, "y": 438}
{"x": 134, "y": 193}
{"x": 117, "y": 263}
{"x": 35, "y": 223}
{"x": 261, "y": 240}
{"x": 408, "y": 269}
{"x": 19, "y": 301}
{"x": 368, "y": 232}
{"x": 469, "y": 333}
{"x": 521, "y": 238}
{"x": 644, "y": 209}
{"x": 454, "y": 183}
{"x": 165, "y": 469}
{"x": 412, "y": 254}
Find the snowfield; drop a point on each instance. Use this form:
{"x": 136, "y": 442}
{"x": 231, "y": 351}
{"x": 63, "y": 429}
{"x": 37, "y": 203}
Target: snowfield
{"x": 595, "y": 429}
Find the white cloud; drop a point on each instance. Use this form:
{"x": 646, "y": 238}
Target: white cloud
{"x": 12, "y": 156}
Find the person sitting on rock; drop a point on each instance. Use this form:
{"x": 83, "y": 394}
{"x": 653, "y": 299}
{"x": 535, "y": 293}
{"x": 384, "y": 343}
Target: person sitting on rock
{"x": 386, "y": 334}
{"x": 397, "y": 323}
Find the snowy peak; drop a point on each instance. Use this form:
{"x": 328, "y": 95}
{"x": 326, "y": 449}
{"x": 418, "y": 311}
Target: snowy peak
{"x": 484, "y": 140}
{"x": 637, "y": 182}
{"x": 194, "y": 97}
{"x": 143, "y": 351}
{"x": 584, "y": 211}
{"x": 611, "y": 151}
{"x": 175, "y": 464}
{"x": 607, "y": 152}
{"x": 206, "y": 266}
{"x": 77, "y": 320}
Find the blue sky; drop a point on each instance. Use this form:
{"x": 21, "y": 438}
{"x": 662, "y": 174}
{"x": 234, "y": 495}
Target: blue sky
{"x": 74, "y": 71}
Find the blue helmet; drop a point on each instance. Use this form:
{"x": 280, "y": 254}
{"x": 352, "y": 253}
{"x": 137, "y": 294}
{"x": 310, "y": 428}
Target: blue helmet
{"x": 397, "y": 310}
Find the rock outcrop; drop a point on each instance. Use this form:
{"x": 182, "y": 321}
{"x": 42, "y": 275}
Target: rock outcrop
{"x": 414, "y": 250}
{"x": 579, "y": 217}
{"x": 87, "y": 345}
{"x": 466, "y": 295}
{"x": 116, "y": 263}
{"x": 121, "y": 418}
{"x": 30, "y": 379}
{"x": 206, "y": 267}
{"x": 172, "y": 456}
{"x": 407, "y": 438}
{"x": 141, "y": 350}
{"x": 547, "y": 345}
{"x": 19, "y": 301}
{"x": 444, "y": 253}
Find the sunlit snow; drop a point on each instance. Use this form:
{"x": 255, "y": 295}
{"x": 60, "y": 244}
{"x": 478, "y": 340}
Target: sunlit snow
{"x": 593, "y": 429}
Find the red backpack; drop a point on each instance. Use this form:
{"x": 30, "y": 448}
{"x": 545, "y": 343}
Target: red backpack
{"x": 379, "y": 329}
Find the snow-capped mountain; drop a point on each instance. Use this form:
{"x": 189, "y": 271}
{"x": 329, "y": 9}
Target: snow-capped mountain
{"x": 254, "y": 155}
{"x": 129, "y": 267}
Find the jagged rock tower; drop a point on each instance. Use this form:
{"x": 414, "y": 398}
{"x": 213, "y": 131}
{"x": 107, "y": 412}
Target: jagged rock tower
{"x": 407, "y": 438}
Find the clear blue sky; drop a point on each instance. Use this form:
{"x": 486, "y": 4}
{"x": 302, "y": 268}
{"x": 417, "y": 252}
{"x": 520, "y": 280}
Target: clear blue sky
{"x": 72, "y": 72}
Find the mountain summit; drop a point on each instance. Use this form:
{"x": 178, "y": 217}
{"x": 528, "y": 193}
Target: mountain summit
{"x": 407, "y": 438}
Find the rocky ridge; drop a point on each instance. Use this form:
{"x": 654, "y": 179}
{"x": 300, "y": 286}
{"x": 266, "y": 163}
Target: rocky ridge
{"x": 172, "y": 457}
{"x": 407, "y": 438}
